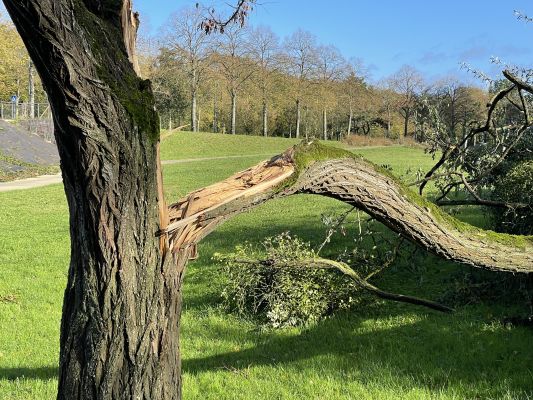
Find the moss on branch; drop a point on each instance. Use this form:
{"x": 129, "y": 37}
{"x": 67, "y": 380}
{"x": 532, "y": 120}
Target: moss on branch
{"x": 307, "y": 153}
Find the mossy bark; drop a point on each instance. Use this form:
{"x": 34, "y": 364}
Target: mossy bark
{"x": 361, "y": 184}
{"x": 120, "y": 324}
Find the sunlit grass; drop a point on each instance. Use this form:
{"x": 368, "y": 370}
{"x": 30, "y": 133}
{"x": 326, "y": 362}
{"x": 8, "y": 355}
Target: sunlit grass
{"x": 382, "y": 351}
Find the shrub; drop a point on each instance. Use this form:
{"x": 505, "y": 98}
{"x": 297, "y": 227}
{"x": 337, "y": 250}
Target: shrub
{"x": 516, "y": 186}
{"x": 280, "y": 295}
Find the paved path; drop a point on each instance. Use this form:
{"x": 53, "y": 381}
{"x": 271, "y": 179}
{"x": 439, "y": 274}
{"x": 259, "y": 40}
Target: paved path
{"x": 25, "y": 146}
{"x": 29, "y": 183}
{"x": 45, "y": 180}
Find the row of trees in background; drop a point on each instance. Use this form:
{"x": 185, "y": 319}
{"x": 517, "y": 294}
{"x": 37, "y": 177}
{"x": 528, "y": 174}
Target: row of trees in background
{"x": 249, "y": 81}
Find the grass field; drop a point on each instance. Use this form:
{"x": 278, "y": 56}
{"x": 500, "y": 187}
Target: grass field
{"x": 383, "y": 351}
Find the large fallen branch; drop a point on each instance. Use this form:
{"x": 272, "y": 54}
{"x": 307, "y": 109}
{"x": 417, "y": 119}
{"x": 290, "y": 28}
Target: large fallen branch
{"x": 316, "y": 169}
{"x": 323, "y": 263}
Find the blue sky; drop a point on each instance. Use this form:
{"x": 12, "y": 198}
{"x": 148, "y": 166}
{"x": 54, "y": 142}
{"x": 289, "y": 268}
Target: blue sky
{"x": 433, "y": 36}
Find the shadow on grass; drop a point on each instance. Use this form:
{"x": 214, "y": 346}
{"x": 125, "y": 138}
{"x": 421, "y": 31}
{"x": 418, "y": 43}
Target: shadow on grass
{"x": 42, "y": 373}
{"x": 460, "y": 352}
{"x": 434, "y": 352}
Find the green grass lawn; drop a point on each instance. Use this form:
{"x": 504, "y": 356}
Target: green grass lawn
{"x": 383, "y": 351}
{"x": 180, "y": 145}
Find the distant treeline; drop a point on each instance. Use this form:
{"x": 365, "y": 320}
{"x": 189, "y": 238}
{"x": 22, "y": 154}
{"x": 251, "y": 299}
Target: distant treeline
{"x": 248, "y": 81}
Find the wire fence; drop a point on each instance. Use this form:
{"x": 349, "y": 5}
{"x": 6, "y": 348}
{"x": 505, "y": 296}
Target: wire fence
{"x": 35, "y": 118}
{"x": 14, "y": 111}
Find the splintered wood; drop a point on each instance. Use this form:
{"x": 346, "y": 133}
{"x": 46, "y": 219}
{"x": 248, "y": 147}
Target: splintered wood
{"x": 194, "y": 216}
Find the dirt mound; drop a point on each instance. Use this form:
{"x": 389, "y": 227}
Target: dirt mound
{"x": 19, "y": 148}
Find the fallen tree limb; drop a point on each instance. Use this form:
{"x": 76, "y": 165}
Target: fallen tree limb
{"x": 364, "y": 284}
{"x": 316, "y": 169}
{"x": 324, "y": 263}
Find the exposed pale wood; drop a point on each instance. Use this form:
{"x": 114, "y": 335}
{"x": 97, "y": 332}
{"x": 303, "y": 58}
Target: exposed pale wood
{"x": 130, "y": 26}
{"x": 194, "y": 216}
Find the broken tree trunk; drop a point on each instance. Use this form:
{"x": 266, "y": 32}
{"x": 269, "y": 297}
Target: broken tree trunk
{"x": 121, "y": 313}
{"x": 312, "y": 168}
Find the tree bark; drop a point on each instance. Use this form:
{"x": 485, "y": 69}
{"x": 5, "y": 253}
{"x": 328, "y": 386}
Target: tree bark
{"x": 388, "y": 122}
{"x": 325, "y": 124}
{"x": 356, "y": 182}
{"x": 350, "y": 118}
{"x": 265, "y": 119}
{"x": 120, "y": 324}
{"x": 362, "y": 185}
{"x": 407, "y": 113}
{"x": 194, "y": 113}
{"x": 215, "y": 114}
{"x": 298, "y": 118}
{"x": 233, "y": 112}
{"x": 31, "y": 90}
{"x": 198, "y": 119}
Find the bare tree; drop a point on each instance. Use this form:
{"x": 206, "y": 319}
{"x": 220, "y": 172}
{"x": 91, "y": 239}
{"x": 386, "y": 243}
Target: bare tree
{"x": 408, "y": 82}
{"x": 264, "y": 46}
{"x": 169, "y": 82}
{"x": 300, "y": 61}
{"x": 232, "y": 56}
{"x": 238, "y": 16}
{"x": 330, "y": 64}
{"x": 458, "y": 106}
{"x": 388, "y": 99}
{"x": 192, "y": 48}
{"x": 354, "y": 90}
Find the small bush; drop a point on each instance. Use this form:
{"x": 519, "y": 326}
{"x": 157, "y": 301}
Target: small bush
{"x": 282, "y": 296}
{"x": 516, "y": 186}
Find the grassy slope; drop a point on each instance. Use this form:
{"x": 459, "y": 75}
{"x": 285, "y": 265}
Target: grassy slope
{"x": 27, "y": 170}
{"x": 387, "y": 351}
{"x": 185, "y": 145}
{"x": 181, "y": 145}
